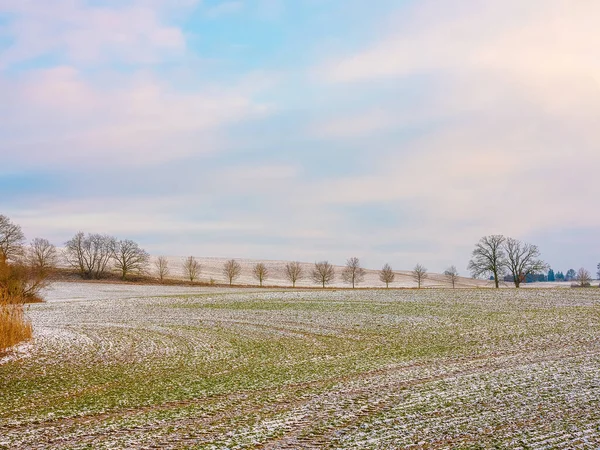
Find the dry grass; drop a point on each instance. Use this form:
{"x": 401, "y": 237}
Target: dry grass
{"x": 14, "y": 326}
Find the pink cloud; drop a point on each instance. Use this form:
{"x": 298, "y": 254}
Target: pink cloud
{"x": 134, "y": 32}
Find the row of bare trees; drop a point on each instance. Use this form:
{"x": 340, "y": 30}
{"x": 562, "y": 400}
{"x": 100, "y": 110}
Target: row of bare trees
{"x": 323, "y": 273}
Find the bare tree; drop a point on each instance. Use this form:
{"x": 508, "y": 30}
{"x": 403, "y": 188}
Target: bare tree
{"x": 419, "y": 274}
{"x": 90, "y": 254}
{"x": 129, "y": 257}
{"x": 489, "y": 258}
{"x": 522, "y": 259}
{"x": 294, "y": 272}
{"x": 583, "y": 277}
{"x": 260, "y": 272}
{"x": 11, "y": 239}
{"x": 387, "y": 275}
{"x": 191, "y": 268}
{"x": 162, "y": 267}
{"x": 232, "y": 270}
{"x": 42, "y": 256}
{"x": 353, "y": 273}
{"x": 451, "y": 274}
{"x": 323, "y": 273}
{"x": 598, "y": 273}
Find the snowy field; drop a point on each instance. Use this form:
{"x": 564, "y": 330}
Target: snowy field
{"x": 151, "y": 367}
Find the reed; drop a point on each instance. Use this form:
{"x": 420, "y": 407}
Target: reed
{"x": 14, "y": 325}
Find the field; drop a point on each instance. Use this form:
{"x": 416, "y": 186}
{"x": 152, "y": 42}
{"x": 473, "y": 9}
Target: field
{"x": 125, "y": 367}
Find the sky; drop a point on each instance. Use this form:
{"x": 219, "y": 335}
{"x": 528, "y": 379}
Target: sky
{"x": 396, "y": 131}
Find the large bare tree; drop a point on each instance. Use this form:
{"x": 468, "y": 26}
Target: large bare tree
{"x": 419, "y": 274}
{"x": 129, "y": 257}
{"x": 232, "y": 270}
{"x": 162, "y": 267}
{"x": 488, "y": 258}
{"x": 583, "y": 277}
{"x": 323, "y": 273}
{"x": 260, "y": 272}
{"x": 11, "y": 239}
{"x": 294, "y": 272}
{"x": 42, "y": 256}
{"x": 451, "y": 274}
{"x": 387, "y": 275}
{"x": 90, "y": 254}
{"x": 522, "y": 259}
{"x": 353, "y": 273}
{"x": 191, "y": 268}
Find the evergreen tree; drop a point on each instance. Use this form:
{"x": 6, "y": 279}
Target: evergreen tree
{"x": 551, "y": 276}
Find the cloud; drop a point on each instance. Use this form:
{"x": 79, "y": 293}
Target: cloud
{"x": 364, "y": 123}
{"x": 75, "y": 32}
{"x": 454, "y": 120}
{"x": 131, "y": 118}
{"x": 507, "y": 120}
{"x": 550, "y": 38}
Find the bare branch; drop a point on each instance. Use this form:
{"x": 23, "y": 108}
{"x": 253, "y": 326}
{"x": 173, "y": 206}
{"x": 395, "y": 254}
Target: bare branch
{"x": 260, "y": 272}
{"x": 387, "y": 275}
{"x": 162, "y": 267}
{"x": 419, "y": 274}
{"x": 294, "y": 272}
{"x": 232, "y": 270}
{"x": 353, "y": 273}
{"x": 129, "y": 257}
{"x": 522, "y": 259}
{"x": 90, "y": 254}
{"x": 451, "y": 274}
{"x": 42, "y": 256}
{"x": 191, "y": 268}
{"x": 11, "y": 239}
{"x": 583, "y": 277}
{"x": 323, "y": 273}
{"x": 489, "y": 258}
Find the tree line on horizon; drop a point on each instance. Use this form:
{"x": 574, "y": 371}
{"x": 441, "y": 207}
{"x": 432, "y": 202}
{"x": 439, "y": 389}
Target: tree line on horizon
{"x": 94, "y": 256}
